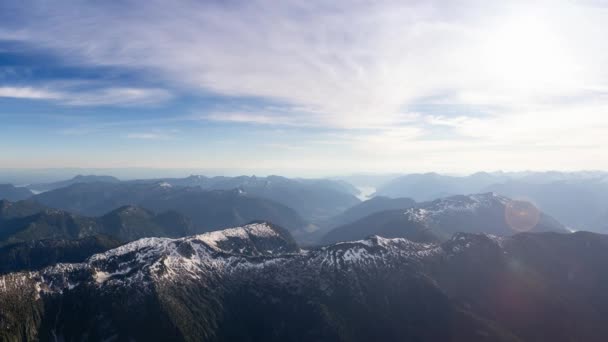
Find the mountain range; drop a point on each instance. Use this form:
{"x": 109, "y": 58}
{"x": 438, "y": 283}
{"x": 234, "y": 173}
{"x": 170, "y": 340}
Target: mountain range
{"x": 313, "y": 199}
{"x": 577, "y": 199}
{"x": 438, "y": 220}
{"x": 25, "y": 221}
{"x": 430, "y": 186}
{"x": 253, "y": 283}
{"x": 321, "y": 202}
{"x": 32, "y": 235}
{"x": 42, "y": 187}
{"x": 207, "y": 210}
{"x": 576, "y": 203}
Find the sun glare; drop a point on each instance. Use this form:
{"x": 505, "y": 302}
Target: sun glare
{"x": 524, "y": 53}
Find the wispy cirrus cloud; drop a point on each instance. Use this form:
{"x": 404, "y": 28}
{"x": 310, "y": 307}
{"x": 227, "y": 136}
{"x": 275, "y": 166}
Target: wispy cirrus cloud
{"x": 29, "y": 93}
{"x": 503, "y": 77}
{"x": 121, "y": 96}
{"x": 148, "y": 136}
{"x": 356, "y": 63}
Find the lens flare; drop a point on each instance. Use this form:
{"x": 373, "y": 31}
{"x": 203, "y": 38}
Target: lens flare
{"x": 521, "y": 216}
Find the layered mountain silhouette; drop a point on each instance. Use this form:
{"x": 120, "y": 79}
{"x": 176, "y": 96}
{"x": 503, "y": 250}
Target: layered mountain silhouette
{"x": 130, "y": 223}
{"x": 12, "y": 193}
{"x": 438, "y": 220}
{"x": 577, "y": 199}
{"x": 313, "y": 199}
{"x": 430, "y": 186}
{"x": 10, "y": 210}
{"x": 207, "y": 210}
{"x": 27, "y": 221}
{"x": 47, "y": 224}
{"x": 41, "y": 187}
{"x": 254, "y": 283}
{"x": 578, "y": 203}
{"x": 34, "y": 236}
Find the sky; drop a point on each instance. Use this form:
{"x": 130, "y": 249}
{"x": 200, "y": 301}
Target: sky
{"x": 303, "y": 87}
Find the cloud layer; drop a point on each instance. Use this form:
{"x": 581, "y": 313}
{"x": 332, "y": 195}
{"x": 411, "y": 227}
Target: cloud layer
{"x": 498, "y": 82}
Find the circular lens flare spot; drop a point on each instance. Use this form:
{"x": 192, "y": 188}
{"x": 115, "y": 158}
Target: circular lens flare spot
{"x": 521, "y": 216}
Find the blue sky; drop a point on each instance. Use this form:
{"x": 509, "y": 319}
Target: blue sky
{"x": 322, "y": 87}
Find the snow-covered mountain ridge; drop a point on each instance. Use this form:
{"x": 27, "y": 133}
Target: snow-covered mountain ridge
{"x": 255, "y": 246}
{"x": 254, "y": 281}
{"x": 455, "y": 204}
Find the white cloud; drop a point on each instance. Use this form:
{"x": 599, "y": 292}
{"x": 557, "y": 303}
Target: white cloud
{"x": 527, "y": 75}
{"x": 358, "y": 63}
{"x": 118, "y": 96}
{"x": 29, "y": 93}
{"x": 252, "y": 118}
{"x": 95, "y": 97}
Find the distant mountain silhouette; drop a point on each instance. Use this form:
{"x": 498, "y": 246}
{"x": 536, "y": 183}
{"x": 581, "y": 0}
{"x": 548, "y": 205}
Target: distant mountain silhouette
{"x": 577, "y": 199}
{"x": 12, "y": 193}
{"x": 438, "y": 220}
{"x": 23, "y": 222}
{"x": 32, "y": 236}
{"x": 77, "y": 179}
{"x": 130, "y": 223}
{"x": 578, "y": 203}
{"x": 10, "y": 210}
{"x": 207, "y": 210}
{"x": 430, "y": 186}
{"x": 313, "y": 199}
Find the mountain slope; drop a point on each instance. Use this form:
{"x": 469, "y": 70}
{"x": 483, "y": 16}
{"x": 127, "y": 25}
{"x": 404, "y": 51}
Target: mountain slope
{"x": 130, "y": 223}
{"x": 31, "y": 236}
{"x": 47, "y": 224}
{"x": 27, "y": 221}
{"x": 36, "y": 254}
{"x": 371, "y": 206}
{"x": 482, "y": 213}
{"x": 10, "y": 210}
{"x": 388, "y": 224}
{"x": 253, "y": 283}
{"x": 12, "y": 193}
{"x": 600, "y": 224}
